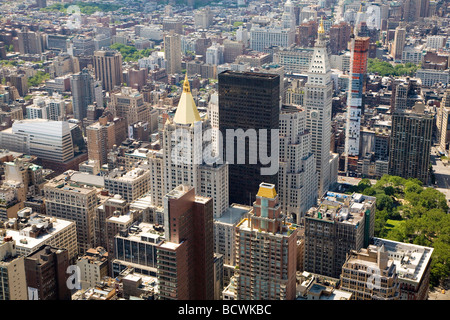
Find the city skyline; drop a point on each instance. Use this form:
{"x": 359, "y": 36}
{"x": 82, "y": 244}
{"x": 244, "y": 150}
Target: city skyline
{"x": 241, "y": 150}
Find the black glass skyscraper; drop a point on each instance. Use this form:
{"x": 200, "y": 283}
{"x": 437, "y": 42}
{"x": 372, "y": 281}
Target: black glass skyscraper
{"x": 249, "y": 101}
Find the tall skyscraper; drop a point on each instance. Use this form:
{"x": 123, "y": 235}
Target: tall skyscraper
{"x": 266, "y": 251}
{"x": 339, "y": 37}
{"x": 108, "y": 68}
{"x": 100, "y": 139}
{"x": 317, "y": 102}
{"x": 185, "y": 155}
{"x": 185, "y": 261}
{"x": 297, "y": 176}
{"x": 82, "y": 86}
{"x": 288, "y": 16}
{"x": 172, "y": 52}
{"x": 358, "y": 67}
{"x": 399, "y": 43}
{"x": 249, "y": 102}
{"x": 411, "y": 140}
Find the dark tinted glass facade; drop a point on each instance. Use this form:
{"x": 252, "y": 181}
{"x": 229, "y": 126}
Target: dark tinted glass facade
{"x": 248, "y": 100}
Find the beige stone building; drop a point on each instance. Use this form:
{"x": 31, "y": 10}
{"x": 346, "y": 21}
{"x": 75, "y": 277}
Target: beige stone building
{"x": 369, "y": 274}
{"x": 13, "y": 285}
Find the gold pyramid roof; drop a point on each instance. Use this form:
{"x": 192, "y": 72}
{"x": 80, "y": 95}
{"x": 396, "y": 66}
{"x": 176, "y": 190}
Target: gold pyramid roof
{"x": 187, "y": 112}
{"x": 267, "y": 190}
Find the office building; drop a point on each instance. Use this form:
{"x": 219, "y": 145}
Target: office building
{"x": 93, "y": 267}
{"x": 189, "y": 160}
{"x": 131, "y": 185}
{"x": 231, "y": 50}
{"x": 288, "y": 19}
{"x": 265, "y": 37}
{"x": 117, "y": 223}
{"x": 294, "y": 60}
{"x": 29, "y": 42}
{"x": 224, "y": 237}
{"x": 242, "y": 95}
{"x": 405, "y": 93}
{"x": 83, "y": 95}
{"x": 317, "y": 102}
{"x": 369, "y": 274}
{"x": 339, "y": 37}
{"x": 203, "y": 18}
{"x": 105, "y": 211}
{"x": 266, "y": 251}
{"x": 51, "y": 141}
{"x": 13, "y": 285}
{"x": 430, "y": 77}
{"x": 51, "y": 108}
{"x": 169, "y": 24}
{"x": 108, "y": 68}
{"x": 339, "y": 223}
{"x": 100, "y": 139}
{"x": 185, "y": 260}
{"x": 413, "y": 263}
{"x": 69, "y": 200}
{"x": 46, "y": 274}
{"x": 34, "y": 230}
{"x": 297, "y": 177}
{"x": 172, "y": 52}
{"x": 399, "y": 43}
{"x": 442, "y": 119}
{"x": 436, "y": 42}
{"x": 136, "y": 247}
{"x": 129, "y": 103}
{"x": 410, "y": 143}
{"x": 82, "y": 46}
{"x": 214, "y": 54}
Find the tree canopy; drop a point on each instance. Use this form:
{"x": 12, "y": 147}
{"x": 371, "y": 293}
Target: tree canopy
{"x": 384, "y": 68}
{"x": 411, "y": 213}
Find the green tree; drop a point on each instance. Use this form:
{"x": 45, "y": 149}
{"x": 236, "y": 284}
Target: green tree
{"x": 384, "y": 202}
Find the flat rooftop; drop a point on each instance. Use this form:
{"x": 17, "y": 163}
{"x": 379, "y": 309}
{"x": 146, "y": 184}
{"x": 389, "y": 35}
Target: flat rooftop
{"x": 233, "y": 214}
{"x": 145, "y": 232}
{"x": 88, "y": 179}
{"x": 410, "y": 260}
{"x": 342, "y": 207}
{"x": 64, "y": 181}
{"x": 24, "y": 241}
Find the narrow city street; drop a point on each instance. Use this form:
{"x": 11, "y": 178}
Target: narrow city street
{"x": 441, "y": 173}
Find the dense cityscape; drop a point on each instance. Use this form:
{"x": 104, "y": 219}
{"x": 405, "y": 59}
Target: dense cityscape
{"x": 224, "y": 150}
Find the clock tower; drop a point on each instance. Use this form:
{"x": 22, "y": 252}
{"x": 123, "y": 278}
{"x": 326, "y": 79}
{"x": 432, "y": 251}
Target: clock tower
{"x": 317, "y": 102}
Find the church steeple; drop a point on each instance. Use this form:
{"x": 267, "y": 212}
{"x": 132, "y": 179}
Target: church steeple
{"x": 187, "y": 112}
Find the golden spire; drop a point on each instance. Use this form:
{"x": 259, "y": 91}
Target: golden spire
{"x": 186, "y": 86}
{"x": 187, "y": 112}
{"x": 321, "y": 28}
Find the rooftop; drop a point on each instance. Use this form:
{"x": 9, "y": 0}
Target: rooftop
{"x": 24, "y": 240}
{"x": 339, "y": 207}
{"x": 410, "y": 260}
{"x": 233, "y": 214}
